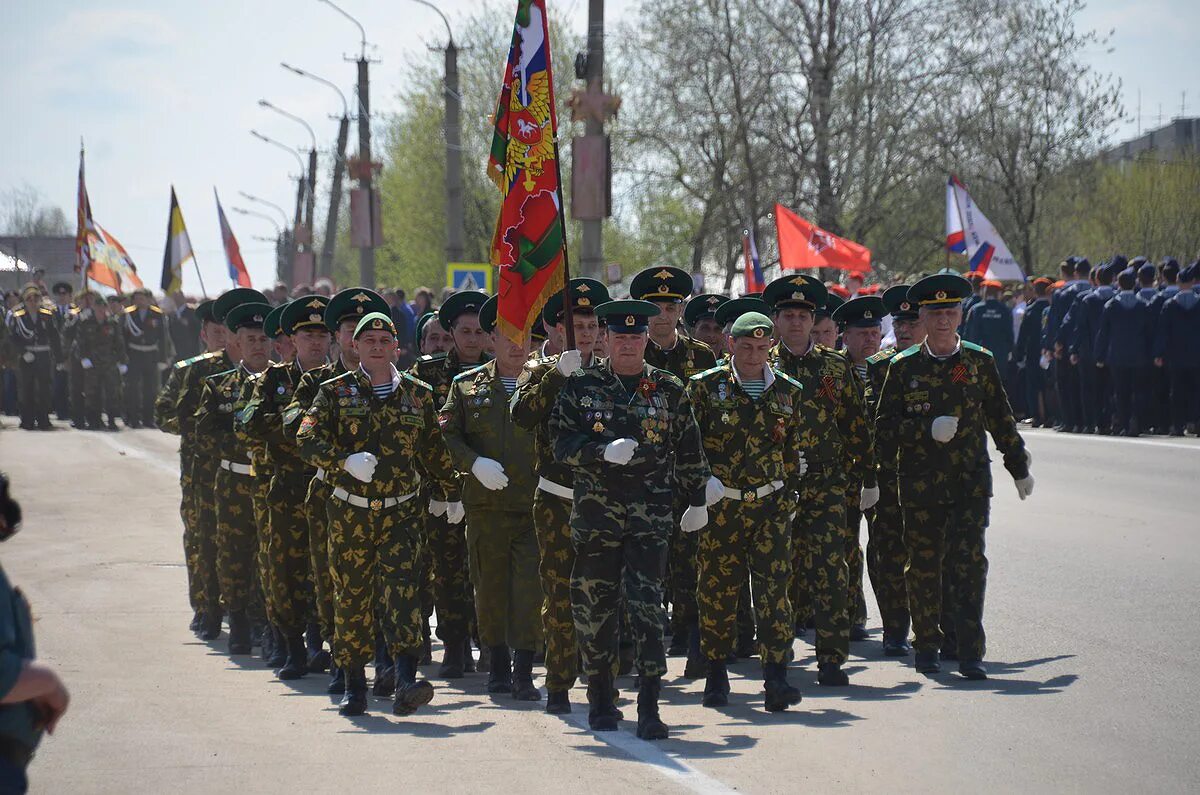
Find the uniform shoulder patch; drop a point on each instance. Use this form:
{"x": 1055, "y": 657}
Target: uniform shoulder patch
{"x": 343, "y": 377}
{"x": 973, "y": 347}
{"x": 417, "y": 381}
{"x": 907, "y": 352}
{"x": 780, "y": 375}
{"x": 882, "y": 356}
{"x": 707, "y": 373}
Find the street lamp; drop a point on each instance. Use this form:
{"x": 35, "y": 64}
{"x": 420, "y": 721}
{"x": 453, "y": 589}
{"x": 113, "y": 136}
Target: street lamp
{"x": 262, "y": 103}
{"x": 293, "y": 152}
{"x": 445, "y": 21}
{"x": 251, "y": 198}
{"x": 264, "y": 216}
{"x": 297, "y": 70}
{"x": 361, "y": 31}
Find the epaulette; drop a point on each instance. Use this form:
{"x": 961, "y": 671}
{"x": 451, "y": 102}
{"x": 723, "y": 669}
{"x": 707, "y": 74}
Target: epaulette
{"x": 217, "y": 376}
{"x": 431, "y": 357}
{"x": 668, "y": 377}
{"x": 179, "y": 365}
{"x": 836, "y": 353}
{"x": 468, "y": 373}
{"x": 19, "y": 312}
{"x": 701, "y": 375}
{"x": 973, "y": 347}
{"x": 130, "y": 309}
{"x": 157, "y": 309}
{"x": 74, "y": 310}
{"x": 904, "y": 354}
{"x": 416, "y": 381}
{"x": 691, "y": 342}
{"x": 780, "y": 375}
{"x": 338, "y": 377}
{"x": 882, "y": 356}
{"x": 46, "y": 311}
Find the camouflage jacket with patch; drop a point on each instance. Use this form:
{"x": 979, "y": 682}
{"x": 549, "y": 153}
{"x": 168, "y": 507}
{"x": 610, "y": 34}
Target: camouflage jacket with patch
{"x": 595, "y": 409}
{"x": 749, "y": 443}
{"x": 101, "y": 342}
{"x": 220, "y": 400}
{"x": 175, "y": 406}
{"x": 439, "y": 372}
{"x": 919, "y": 388}
{"x": 262, "y": 416}
{"x": 537, "y": 390}
{"x": 401, "y": 431}
{"x": 475, "y": 422}
{"x": 306, "y": 392}
{"x": 683, "y": 361}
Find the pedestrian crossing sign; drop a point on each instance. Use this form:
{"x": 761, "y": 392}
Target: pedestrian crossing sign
{"x": 470, "y": 276}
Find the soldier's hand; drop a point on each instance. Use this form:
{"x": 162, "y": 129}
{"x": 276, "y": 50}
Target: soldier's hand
{"x": 60, "y": 367}
{"x": 1158, "y": 361}
{"x": 162, "y": 366}
{"x": 29, "y": 356}
{"x": 1074, "y": 358}
{"x": 361, "y": 466}
{"x": 868, "y": 498}
{"x": 437, "y": 507}
{"x": 455, "y": 512}
{"x": 714, "y": 491}
{"x": 569, "y": 361}
{"x": 694, "y": 518}
{"x": 944, "y": 428}
{"x": 490, "y": 473}
{"x": 620, "y": 451}
{"x": 85, "y": 363}
{"x": 1024, "y": 486}
{"x": 122, "y": 369}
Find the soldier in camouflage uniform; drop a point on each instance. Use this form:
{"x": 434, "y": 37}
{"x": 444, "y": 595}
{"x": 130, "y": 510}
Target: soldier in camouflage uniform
{"x": 627, "y": 430}
{"x": 683, "y": 357}
{"x": 100, "y": 351}
{"x": 341, "y": 317}
{"x": 838, "y": 448}
{"x": 939, "y": 400}
{"x": 174, "y": 412}
{"x": 537, "y": 391}
{"x": 750, "y": 418}
{"x": 498, "y": 495}
{"x": 700, "y": 319}
{"x": 237, "y": 531}
{"x": 459, "y": 316}
{"x": 374, "y": 432}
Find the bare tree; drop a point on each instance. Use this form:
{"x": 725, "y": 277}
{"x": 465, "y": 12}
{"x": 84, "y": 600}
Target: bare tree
{"x": 24, "y": 212}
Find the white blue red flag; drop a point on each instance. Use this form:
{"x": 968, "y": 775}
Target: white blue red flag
{"x": 233, "y": 252}
{"x": 755, "y": 283}
{"x": 954, "y": 230}
{"x": 986, "y": 251}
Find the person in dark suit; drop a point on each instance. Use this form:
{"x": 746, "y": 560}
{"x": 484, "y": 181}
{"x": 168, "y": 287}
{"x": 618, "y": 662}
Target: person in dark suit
{"x": 1028, "y": 351}
{"x": 184, "y": 327}
{"x": 1123, "y": 345}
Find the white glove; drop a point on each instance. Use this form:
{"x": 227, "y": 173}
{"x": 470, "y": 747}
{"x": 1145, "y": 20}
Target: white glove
{"x": 60, "y": 367}
{"x": 868, "y": 498}
{"x": 361, "y": 466}
{"x": 801, "y": 464}
{"x": 122, "y": 369}
{"x": 944, "y": 428}
{"x": 162, "y": 366}
{"x": 714, "y": 491}
{"x": 569, "y": 361}
{"x": 455, "y": 512}
{"x": 620, "y": 451}
{"x": 437, "y": 508}
{"x": 490, "y": 473}
{"x": 85, "y": 363}
{"x": 29, "y": 356}
{"x": 1024, "y": 487}
{"x": 694, "y": 518}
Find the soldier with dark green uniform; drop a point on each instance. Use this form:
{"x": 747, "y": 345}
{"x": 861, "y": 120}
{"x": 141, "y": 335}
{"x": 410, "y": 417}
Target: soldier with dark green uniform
{"x": 750, "y": 417}
{"x": 627, "y": 430}
{"x": 459, "y": 316}
{"x": 374, "y": 432}
{"x": 837, "y": 445}
{"x": 147, "y": 344}
{"x": 237, "y": 531}
{"x": 537, "y": 391}
{"x": 498, "y": 496}
{"x": 99, "y": 349}
{"x": 700, "y": 319}
{"x": 683, "y": 357}
{"x": 33, "y": 333}
{"x": 939, "y": 401}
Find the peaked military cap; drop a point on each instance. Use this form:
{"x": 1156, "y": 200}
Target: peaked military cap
{"x": 630, "y": 316}
{"x": 424, "y": 321}
{"x": 353, "y": 304}
{"x": 304, "y": 313}
{"x": 866, "y": 311}
{"x": 487, "y": 314}
{"x": 239, "y": 295}
{"x": 1189, "y": 272}
{"x": 538, "y": 332}
{"x": 703, "y": 306}
{"x": 895, "y": 301}
{"x": 663, "y": 283}
{"x": 247, "y": 315}
{"x": 271, "y": 324}
{"x": 942, "y": 289}
{"x": 832, "y": 302}
{"x": 752, "y": 324}
{"x": 204, "y": 311}
{"x": 467, "y": 302}
{"x": 375, "y": 321}
{"x": 795, "y": 290}
{"x": 586, "y": 293}
{"x": 731, "y": 310}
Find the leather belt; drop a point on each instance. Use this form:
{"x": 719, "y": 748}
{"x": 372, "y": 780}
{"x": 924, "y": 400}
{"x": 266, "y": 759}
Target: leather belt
{"x": 557, "y": 489}
{"x": 134, "y": 346}
{"x": 374, "y": 503}
{"x": 236, "y": 468}
{"x": 750, "y": 495}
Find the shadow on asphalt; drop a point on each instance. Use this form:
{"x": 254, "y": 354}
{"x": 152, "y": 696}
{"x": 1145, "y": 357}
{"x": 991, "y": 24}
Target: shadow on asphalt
{"x": 384, "y": 722}
{"x": 1001, "y": 682}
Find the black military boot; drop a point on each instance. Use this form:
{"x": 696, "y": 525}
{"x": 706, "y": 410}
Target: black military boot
{"x": 780, "y": 694}
{"x": 696, "y": 665}
{"x": 858, "y": 632}
{"x": 197, "y": 620}
{"x": 649, "y": 724}
{"x": 337, "y": 680}
{"x": 558, "y": 702}
{"x": 112, "y": 424}
{"x": 601, "y": 714}
{"x": 453, "y": 665}
{"x": 895, "y": 645}
{"x": 385, "y": 681}
{"x": 355, "y": 700}
{"x": 278, "y": 656}
{"x": 468, "y": 657}
{"x": 500, "y": 675}
{"x": 239, "y": 632}
{"x": 927, "y": 662}
{"x": 210, "y": 628}
{"x": 485, "y": 659}
{"x": 523, "y": 688}
{"x": 832, "y": 675}
{"x": 972, "y": 669}
{"x": 716, "y": 687}
{"x": 410, "y": 693}
{"x": 318, "y": 658}
{"x": 296, "y": 665}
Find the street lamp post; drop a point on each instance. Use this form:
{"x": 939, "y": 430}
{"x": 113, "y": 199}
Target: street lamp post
{"x": 280, "y": 239}
{"x": 298, "y": 224}
{"x": 310, "y": 206}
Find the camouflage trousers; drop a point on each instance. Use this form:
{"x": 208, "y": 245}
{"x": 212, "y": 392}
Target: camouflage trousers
{"x": 856, "y": 601}
{"x": 202, "y": 552}
{"x": 317, "y": 514}
{"x": 264, "y": 605}
{"x": 552, "y": 522}
{"x": 452, "y": 595}
{"x": 503, "y": 553}
{"x": 288, "y": 556}
{"x": 681, "y": 569}
{"x": 946, "y": 547}
{"x": 375, "y": 565}
{"x": 887, "y": 558}
{"x": 746, "y": 537}
{"x": 237, "y": 539}
{"x": 99, "y": 391}
{"x": 620, "y": 541}
{"x": 189, "y": 513}
{"x": 819, "y": 560}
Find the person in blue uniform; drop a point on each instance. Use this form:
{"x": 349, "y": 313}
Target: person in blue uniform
{"x": 990, "y": 324}
{"x": 1028, "y": 351}
{"x": 1123, "y": 346}
{"x": 1075, "y": 272}
{"x": 1083, "y": 325}
{"x": 1177, "y": 350}
{"x": 1160, "y": 377}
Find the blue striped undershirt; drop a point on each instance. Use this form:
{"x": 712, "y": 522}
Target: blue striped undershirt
{"x": 510, "y": 384}
{"x": 755, "y": 388}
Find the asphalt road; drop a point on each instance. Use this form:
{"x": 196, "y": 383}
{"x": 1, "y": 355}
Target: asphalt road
{"x": 1092, "y": 622}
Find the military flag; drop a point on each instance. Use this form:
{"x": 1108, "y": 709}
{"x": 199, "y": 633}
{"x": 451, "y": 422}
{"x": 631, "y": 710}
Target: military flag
{"x": 83, "y": 221}
{"x": 99, "y": 256}
{"x": 178, "y": 249}
{"x": 751, "y": 264}
{"x": 233, "y": 253}
{"x": 966, "y": 224}
{"x": 803, "y": 244}
{"x": 529, "y": 243}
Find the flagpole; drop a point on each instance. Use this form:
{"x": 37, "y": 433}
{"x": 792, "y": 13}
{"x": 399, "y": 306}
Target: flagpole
{"x": 568, "y": 299}
{"x": 198, "y": 276}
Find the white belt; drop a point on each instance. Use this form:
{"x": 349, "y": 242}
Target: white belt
{"x": 320, "y": 474}
{"x": 37, "y": 348}
{"x": 237, "y": 469}
{"x": 374, "y": 503}
{"x": 750, "y": 495}
{"x": 142, "y": 348}
{"x": 557, "y": 489}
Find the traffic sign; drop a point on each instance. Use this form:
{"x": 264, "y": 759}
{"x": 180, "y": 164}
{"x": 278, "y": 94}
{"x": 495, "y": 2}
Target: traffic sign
{"x": 470, "y": 276}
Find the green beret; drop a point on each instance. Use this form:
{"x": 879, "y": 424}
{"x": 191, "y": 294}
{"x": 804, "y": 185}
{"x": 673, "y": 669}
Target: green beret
{"x": 663, "y": 283}
{"x": 752, "y": 324}
{"x": 271, "y": 324}
{"x": 247, "y": 315}
{"x": 352, "y": 304}
{"x": 239, "y": 295}
{"x": 375, "y": 321}
{"x": 304, "y": 313}
{"x": 465, "y": 302}
{"x": 627, "y": 317}
{"x": 702, "y": 306}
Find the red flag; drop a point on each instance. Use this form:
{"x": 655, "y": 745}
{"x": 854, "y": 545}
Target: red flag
{"x": 233, "y": 253}
{"x": 806, "y": 245}
{"x": 528, "y": 244}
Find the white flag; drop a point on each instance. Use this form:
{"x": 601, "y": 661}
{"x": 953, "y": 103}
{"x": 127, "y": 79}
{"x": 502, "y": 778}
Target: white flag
{"x": 987, "y": 252}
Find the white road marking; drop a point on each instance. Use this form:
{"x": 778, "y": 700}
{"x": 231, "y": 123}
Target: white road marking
{"x": 1044, "y": 434}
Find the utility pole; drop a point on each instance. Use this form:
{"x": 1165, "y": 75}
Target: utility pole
{"x": 455, "y": 222}
{"x": 590, "y": 173}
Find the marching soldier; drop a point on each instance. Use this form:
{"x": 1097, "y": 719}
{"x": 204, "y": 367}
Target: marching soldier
{"x": 825, "y": 331}
{"x": 146, "y": 342}
{"x": 33, "y": 331}
{"x": 502, "y": 546}
{"x": 374, "y": 432}
{"x": 1175, "y": 348}
{"x": 700, "y": 318}
{"x": 67, "y": 397}
{"x": 100, "y": 351}
{"x": 838, "y": 446}
{"x": 627, "y": 430}
{"x": 937, "y": 403}
{"x": 682, "y": 357}
{"x": 750, "y": 416}
{"x": 537, "y": 390}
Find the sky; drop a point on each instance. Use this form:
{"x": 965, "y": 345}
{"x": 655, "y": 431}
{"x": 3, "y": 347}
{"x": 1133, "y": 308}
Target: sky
{"x": 165, "y": 93}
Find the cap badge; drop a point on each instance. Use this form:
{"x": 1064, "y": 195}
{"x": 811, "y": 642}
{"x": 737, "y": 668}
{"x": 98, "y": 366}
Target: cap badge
{"x": 940, "y": 295}
{"x": 663, "y": 274}
{"x": 377, "y": 323}
{"x": 316, "y": 303}
{"x": 758, "y": 332}
{"x": 630, "y": 320}
{"x": 868, "y": 315}
{"x": 258, "y": 318}
{"x": 360, "y": 297}
{"x": 314, "y": 318}
{"x": 798, "y": 281}
{"x": 583, "y": 288}
{"x": 582, "y": 301}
